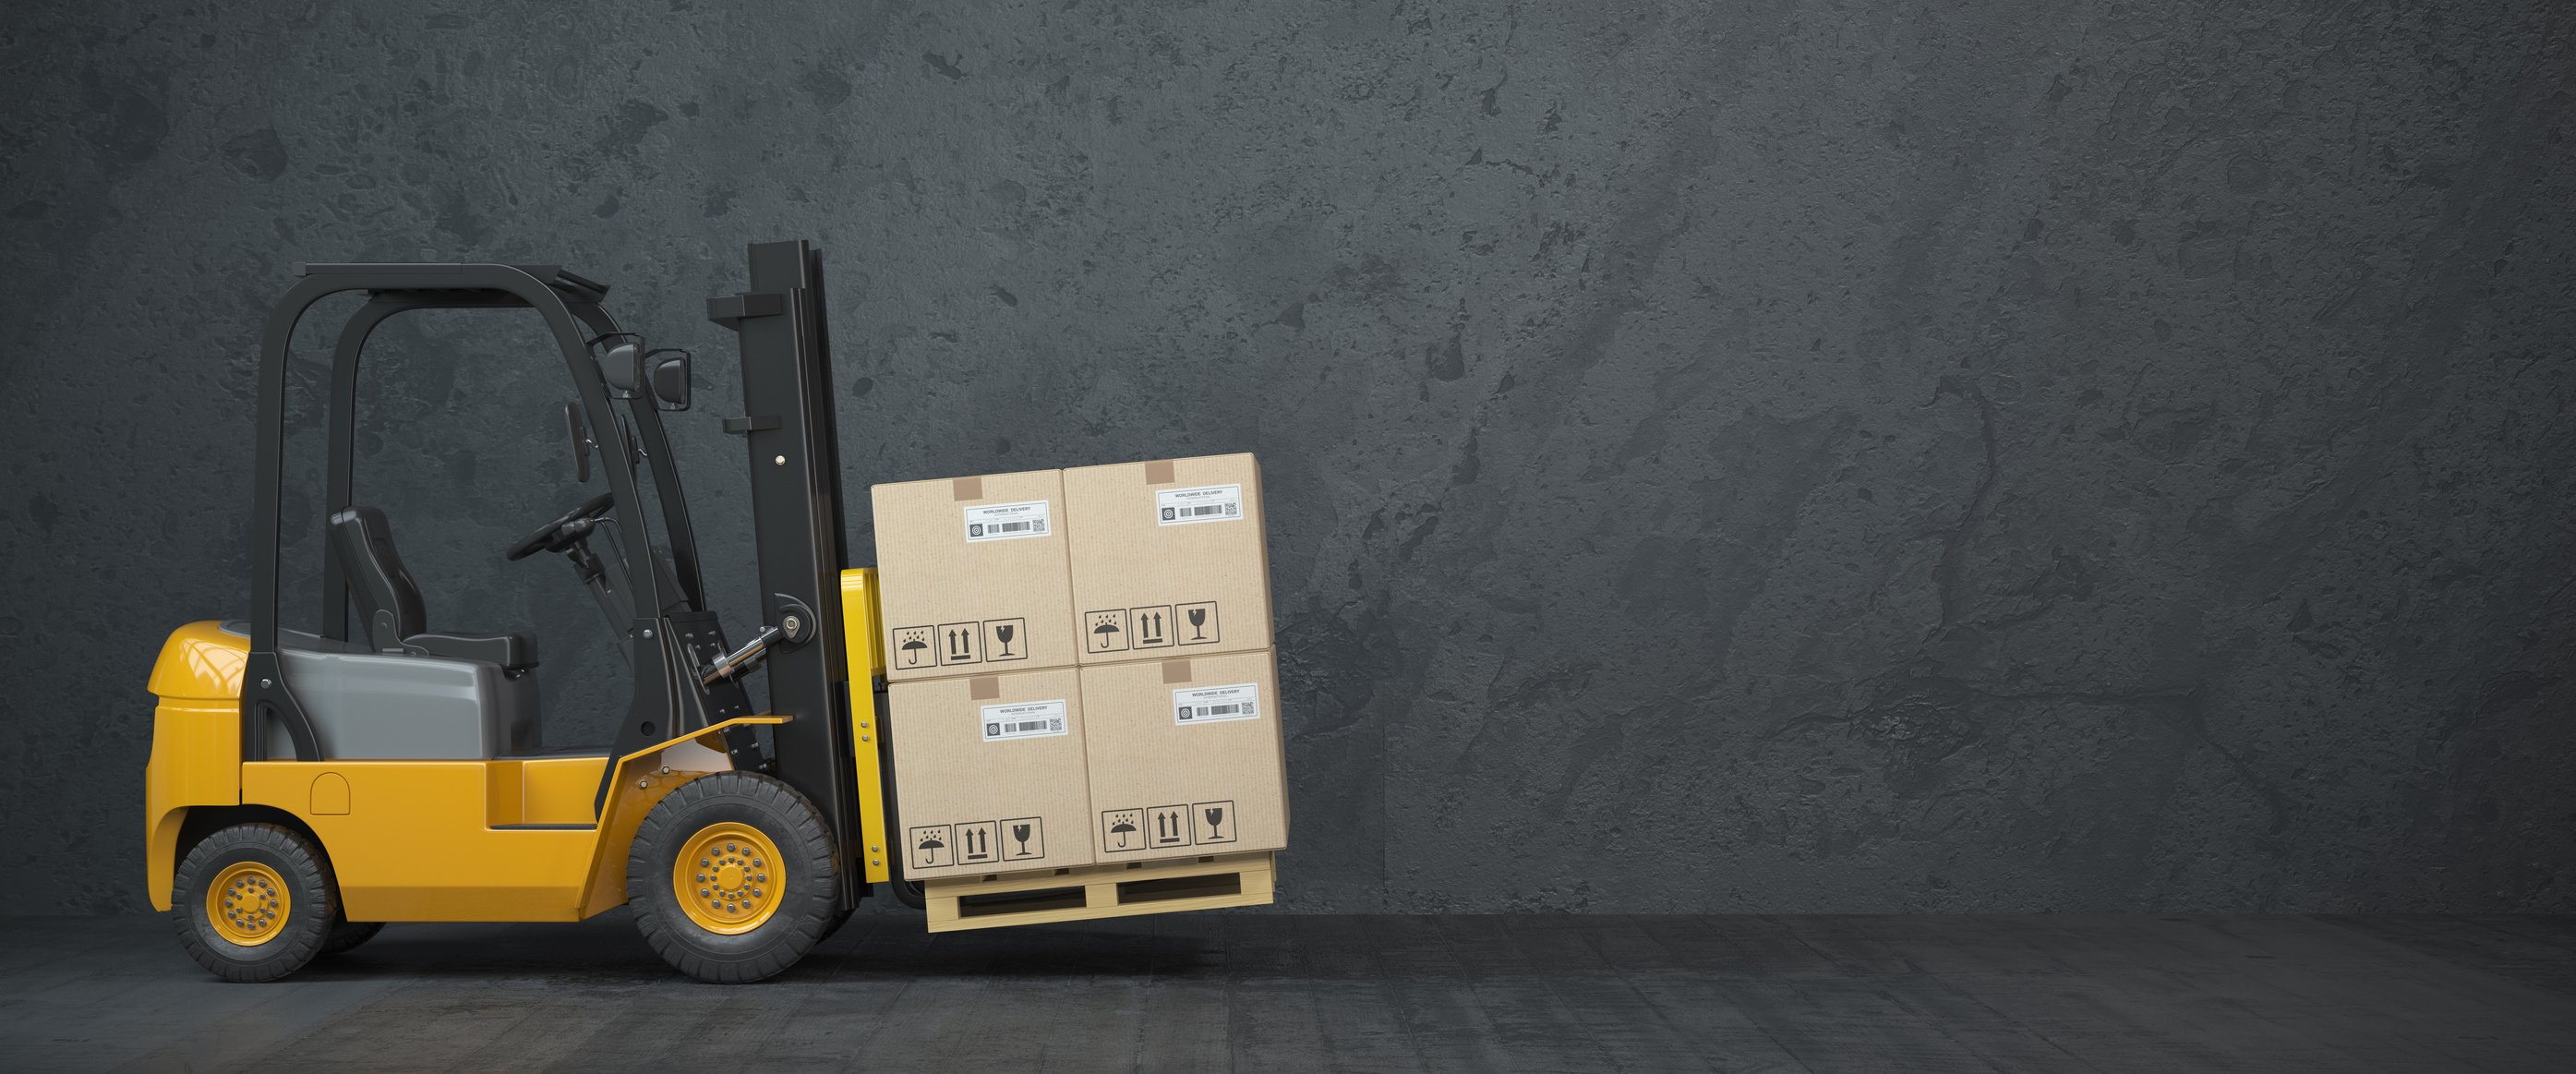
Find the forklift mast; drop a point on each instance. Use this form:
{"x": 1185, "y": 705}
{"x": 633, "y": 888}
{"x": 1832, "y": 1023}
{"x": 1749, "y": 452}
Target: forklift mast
{"x": 798, "y": 529}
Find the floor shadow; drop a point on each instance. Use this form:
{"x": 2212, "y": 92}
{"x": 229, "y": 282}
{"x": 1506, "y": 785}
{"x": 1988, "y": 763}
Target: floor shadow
{"x": 606, "y": 950}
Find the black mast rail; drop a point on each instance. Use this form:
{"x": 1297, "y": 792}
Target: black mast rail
{"x": 797, "y": 527}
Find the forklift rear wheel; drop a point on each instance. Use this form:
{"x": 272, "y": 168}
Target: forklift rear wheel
{"x": 255, "y": 902}
{"x": 348, "y": 934}
{"x": 732, "y": 877}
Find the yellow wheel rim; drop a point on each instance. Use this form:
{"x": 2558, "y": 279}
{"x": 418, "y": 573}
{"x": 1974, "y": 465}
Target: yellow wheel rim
{"x": 728, "y": 878}
{"x": 248, "y": 903}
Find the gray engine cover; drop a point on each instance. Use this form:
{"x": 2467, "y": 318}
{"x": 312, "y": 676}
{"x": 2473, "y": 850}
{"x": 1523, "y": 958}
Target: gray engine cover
{"x": 396, "y": 707}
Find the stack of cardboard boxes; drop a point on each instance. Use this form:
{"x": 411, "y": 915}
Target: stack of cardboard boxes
{"x": 1080, "y": 669}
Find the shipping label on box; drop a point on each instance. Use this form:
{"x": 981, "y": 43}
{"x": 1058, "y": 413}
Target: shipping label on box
{"x": 1186, "y": 756}
{"x": 1007, "y": 521}
{"x": 974, "y": 575}
{"x": 1168, "y": 558}
{"x": 990, "y": 774}
{"x": 1209, "y": 704}
{"x": 1182, "y": 507}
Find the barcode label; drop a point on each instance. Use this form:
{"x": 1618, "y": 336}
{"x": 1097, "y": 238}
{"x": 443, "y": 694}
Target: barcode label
{"x": 1216, "y": 704}
{"x": 1026, "y": 719}
{"x": 1006, "y": 521}
{"x": 1214, "y": 503}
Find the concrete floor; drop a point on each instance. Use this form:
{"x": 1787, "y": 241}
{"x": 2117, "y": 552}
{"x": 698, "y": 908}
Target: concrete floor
{"x": 1211, "y": 991}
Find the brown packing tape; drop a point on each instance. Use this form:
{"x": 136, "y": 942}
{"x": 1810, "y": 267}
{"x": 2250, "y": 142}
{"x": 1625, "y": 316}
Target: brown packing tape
{"x": 1176, "y": 671}
{"x": 966, "y": 488}
{"x": 983, "y": 688}
{"x": 1159, "y": 472}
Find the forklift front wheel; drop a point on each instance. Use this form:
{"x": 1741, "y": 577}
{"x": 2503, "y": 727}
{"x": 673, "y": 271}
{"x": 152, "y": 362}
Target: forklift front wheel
{"x": 255, "y": 902}
{"x": 732, "y": 877}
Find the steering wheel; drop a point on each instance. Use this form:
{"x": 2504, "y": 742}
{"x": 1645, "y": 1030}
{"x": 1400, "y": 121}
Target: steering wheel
{"x": 563, "y": 532}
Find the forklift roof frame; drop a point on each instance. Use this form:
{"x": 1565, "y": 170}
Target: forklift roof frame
{"x": 402, "y": 288}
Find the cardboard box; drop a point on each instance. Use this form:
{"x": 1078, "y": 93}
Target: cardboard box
{"x": 1186, "y": 756}
{"x": 989, "y": 773}
{"x": 973, "y": 575}
{"x": 1168, "y": 558}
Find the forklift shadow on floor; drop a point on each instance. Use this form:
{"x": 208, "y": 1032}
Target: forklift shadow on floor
{"x": 889, "y": 948}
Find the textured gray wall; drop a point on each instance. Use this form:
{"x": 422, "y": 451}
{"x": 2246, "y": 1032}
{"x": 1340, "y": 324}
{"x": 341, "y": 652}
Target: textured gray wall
{"x": 1770, "y": 456}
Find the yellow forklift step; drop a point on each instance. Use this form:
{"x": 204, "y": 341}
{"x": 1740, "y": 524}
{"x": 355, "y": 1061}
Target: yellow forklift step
{"x": 1096, "y": 891}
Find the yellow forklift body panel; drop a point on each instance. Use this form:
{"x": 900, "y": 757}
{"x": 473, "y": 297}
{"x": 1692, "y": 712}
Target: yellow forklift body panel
{"x": 196, "y": 741}
{"x": 408, "y": 841}
{"x": 427, "y": 840}
{"x": 543, "y": 790}
{"x": 202, "y": 661}
{"x": 196, "y": 761}
{"x": 859, "y": 634}
{"x": 471, "y": 840}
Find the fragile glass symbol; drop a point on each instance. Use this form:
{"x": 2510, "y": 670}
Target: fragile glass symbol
{"x": 1215, "y": 817}
{"x": 1004, "y": 632}
{"x": 1198, "y": 618}
{"x": 1020, "y": 831}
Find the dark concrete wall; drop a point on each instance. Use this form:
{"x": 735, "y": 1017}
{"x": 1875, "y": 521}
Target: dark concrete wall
{"x": 1772, "y": 456}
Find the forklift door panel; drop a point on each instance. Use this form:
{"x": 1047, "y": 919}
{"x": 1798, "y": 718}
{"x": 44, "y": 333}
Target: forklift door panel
{"x": 409, "y": 841}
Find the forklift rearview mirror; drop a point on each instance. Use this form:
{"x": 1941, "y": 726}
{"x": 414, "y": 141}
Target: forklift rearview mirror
{"x": 621, "y": 363}
{"x": 670, "y": 378}
{"x": 580, "y": 443}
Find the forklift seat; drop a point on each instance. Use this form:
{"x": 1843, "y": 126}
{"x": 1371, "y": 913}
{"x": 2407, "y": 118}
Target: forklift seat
{"x": 395, "y": 621}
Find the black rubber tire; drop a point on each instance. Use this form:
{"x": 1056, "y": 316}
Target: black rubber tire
{"x": 313, "y": 902}
{"x": 807, "y": 898}
{"x": 349, "y": 934}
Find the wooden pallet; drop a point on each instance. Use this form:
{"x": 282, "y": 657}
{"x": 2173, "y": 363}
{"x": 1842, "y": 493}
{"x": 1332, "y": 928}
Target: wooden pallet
{"x": 1094, "y": 891}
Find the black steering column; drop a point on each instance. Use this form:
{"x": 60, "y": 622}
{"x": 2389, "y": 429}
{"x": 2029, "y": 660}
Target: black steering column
{"x": 570, "y": 535}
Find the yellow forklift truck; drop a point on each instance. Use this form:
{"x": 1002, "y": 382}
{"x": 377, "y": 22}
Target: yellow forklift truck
{"x": 306, "y": 786}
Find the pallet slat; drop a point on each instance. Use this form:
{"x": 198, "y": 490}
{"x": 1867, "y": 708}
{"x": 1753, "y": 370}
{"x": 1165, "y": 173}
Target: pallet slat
{"x": 1098, "y": 891}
